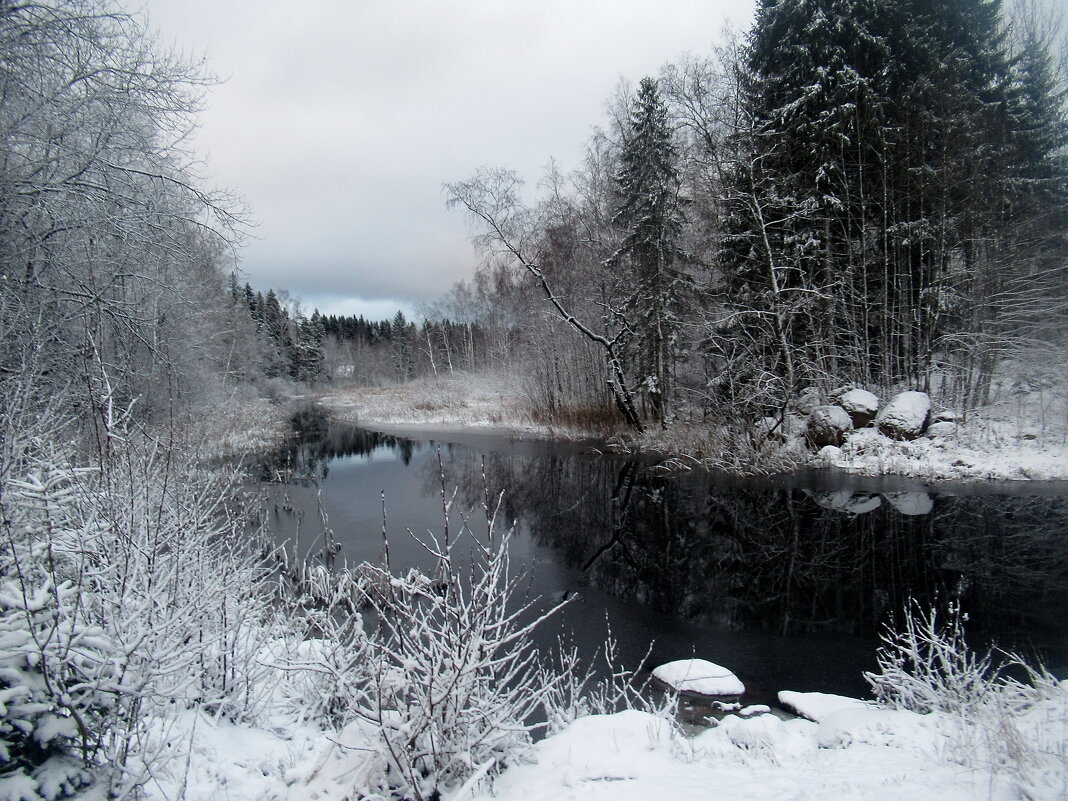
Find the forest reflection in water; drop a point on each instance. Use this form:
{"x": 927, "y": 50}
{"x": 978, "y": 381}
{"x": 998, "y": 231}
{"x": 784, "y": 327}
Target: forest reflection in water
{"x": 685, "y": 557}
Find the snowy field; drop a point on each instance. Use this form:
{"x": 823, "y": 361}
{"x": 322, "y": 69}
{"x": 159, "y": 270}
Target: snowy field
{"x": 848, "y": 750}
{"x": 476, "y": 401}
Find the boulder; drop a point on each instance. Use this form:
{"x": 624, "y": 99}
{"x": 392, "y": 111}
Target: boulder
{"x": 827, "y": 425}
{"x": 807, "y": 401}
{"x": 946, "y": 416}
{"x": 941, "y": 428}
{"x": 905, "y": 416}
{"x": 859, "y": 404}
{"x": 699, "y": 677}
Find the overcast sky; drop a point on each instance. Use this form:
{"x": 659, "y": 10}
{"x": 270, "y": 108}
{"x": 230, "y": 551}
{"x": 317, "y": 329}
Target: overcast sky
{"x": 338, "y": 121}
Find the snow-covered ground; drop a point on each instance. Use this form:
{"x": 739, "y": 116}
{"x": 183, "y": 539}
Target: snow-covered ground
{"x": 852, "y": 750}
{"x": 858, "y": 754}
{"x": 452, "y": 401}
{"x": 992, "y": 452}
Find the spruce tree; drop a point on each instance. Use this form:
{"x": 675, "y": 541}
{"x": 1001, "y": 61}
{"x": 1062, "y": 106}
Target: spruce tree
{"x": 649, "y": 212}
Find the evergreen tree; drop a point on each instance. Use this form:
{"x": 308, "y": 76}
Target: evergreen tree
{"x": 873, "y": 201}
{"x": 649, "y": 212}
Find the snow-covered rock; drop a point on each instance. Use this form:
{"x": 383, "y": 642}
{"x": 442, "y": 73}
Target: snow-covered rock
{"x": 753, "y": 733}
{"x": 817, "y": 706}
{"x": 905, "y": 416}
{"x": 861, "y": 406}
{"x": 827, "y": 425}
{"x": 807, "y": 400}
{"x": 946, "y": 416}
{"x": 942, "y": 428}
{"x": 700, "y": 677}
{"x": 829, "y": 454}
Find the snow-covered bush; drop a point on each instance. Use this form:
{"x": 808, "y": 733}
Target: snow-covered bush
{"x": 129, "y": 591}
{"x": 453, "y": 683}
{"x": 926, "y": 666}
{"x": 989, "y": 717}
{"x": 59, "y": 670}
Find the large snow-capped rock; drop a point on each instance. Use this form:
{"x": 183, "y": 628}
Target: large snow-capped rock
{"x": 827, "y": 425}
{"x": 905, "y": 416}
{"x": 859, "y": 404}
{"x": 700, "y": 677}
{"x": 941, "y": 429}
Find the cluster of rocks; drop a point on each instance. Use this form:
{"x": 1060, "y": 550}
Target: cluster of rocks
{"x": 907, "y": 416}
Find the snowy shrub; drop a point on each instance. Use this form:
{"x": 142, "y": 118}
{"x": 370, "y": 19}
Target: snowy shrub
{"x": 128, "y": 592}
{"x": 58, "y": 670}
{"x": 573, "y": 691}
{"x": 991, "y": 719}
{"x": 452, "y": 676}
{"x": 926, "y": 666}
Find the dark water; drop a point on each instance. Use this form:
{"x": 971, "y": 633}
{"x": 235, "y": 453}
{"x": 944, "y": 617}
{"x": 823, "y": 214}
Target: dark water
{"x": 786, "y": 581}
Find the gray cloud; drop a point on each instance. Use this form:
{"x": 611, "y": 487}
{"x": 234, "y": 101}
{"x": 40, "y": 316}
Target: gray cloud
{"x": 339, "y": 121}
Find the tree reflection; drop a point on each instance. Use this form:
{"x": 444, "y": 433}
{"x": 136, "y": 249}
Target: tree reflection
{"x": 740, "y": 556}
{"x": 316, "y": 441}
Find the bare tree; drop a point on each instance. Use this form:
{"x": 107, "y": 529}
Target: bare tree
{"x": 492, "y": 197}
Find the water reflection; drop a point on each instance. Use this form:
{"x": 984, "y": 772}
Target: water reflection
{"x": 306, "y": 458}
{"x": 712, "y": 553}
{"x": 740, "y": 555}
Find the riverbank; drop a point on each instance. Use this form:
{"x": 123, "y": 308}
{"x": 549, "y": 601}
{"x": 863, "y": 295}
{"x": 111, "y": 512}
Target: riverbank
{"x": 1012, "y": 441}
{"x": 849, "y": 749}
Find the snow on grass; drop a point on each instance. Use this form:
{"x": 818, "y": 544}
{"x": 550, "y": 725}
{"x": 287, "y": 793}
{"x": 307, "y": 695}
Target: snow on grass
{"x": 1009, "y": 441}
{"x": 236, "y": 426}
{"x": 210, "y": 758}
{"x": 699, "y": 676}
{"x": 456, "y": 400}
{"x": 857, "y": 750}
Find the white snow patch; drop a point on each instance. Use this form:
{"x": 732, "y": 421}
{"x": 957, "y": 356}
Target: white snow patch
{"x": 699, "y": 676}
{"x": 817, "y": 706}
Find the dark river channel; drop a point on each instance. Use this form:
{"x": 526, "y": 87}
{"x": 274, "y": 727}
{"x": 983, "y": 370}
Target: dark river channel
{"x": 787, "y": 580}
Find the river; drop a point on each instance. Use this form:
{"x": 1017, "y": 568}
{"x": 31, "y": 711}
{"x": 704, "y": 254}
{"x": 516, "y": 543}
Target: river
{"x": 787, "y": 581}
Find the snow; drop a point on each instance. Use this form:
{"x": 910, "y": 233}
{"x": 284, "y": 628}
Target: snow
{"x": 987, "y": 453}
{"x": 905, "y": 416}
{"x": 699, "y": 676}
{"x": 863, "y": 754}
{"x": 994, "y": 445}
{"x": 859, "y": 402}
{"x": 456, "y": 400}
{"x": 817, "y": 706}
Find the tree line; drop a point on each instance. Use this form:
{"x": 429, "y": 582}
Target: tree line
{"x": 283, "y": 342}
{"x": 854, "y": 192}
